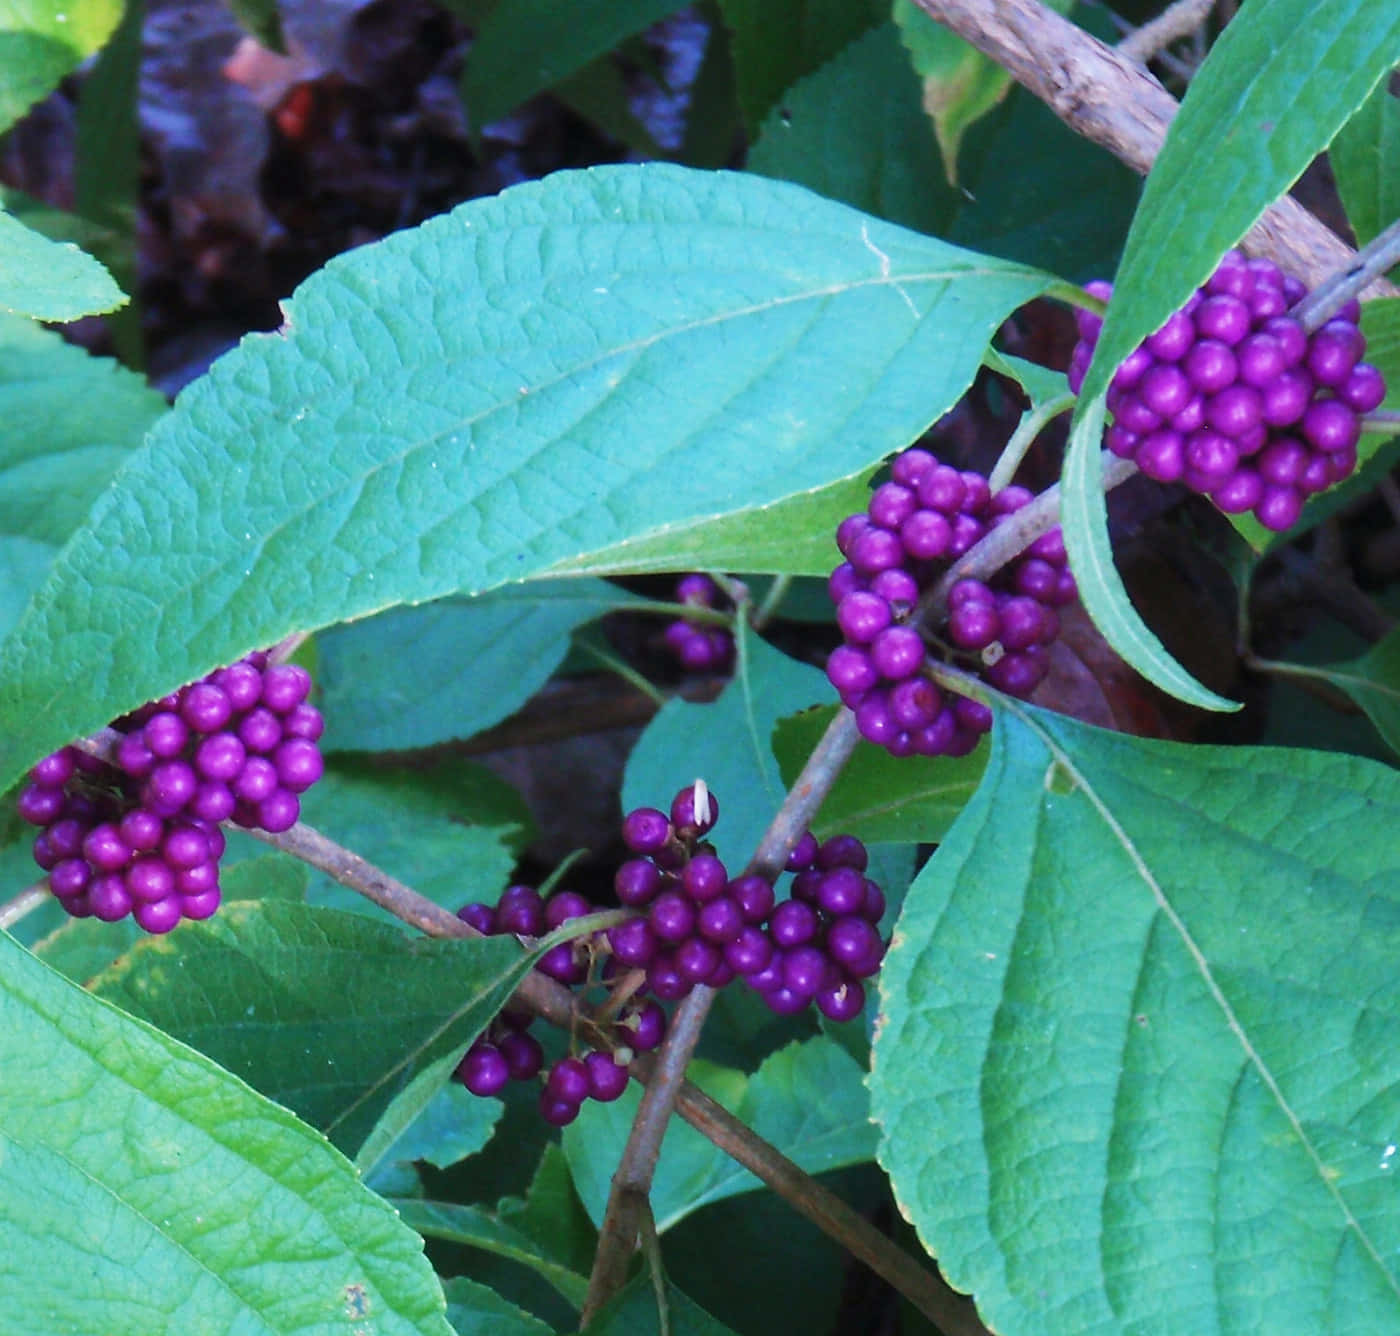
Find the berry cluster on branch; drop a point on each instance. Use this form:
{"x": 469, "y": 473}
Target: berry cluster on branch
{"x": 1234, "y": 399}
{"x": 139, "y": 834}
{"x": 917, "y": 524}
{"x": 699, "y": 649}
{"x": 693, "y": 924}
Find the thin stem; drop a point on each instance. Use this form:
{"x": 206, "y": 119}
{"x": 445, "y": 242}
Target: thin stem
{"x": 1030, "y": 426}
{"x": 26, "y": 902}
{"x": 772, "y": 601}
{"x": 950, "y": 1311}
{"x": 1308, "y": 679}
{"x": 690, "y": 612}
{"x": 1370, "y": 263}
{"x": 631, "y": 1184}
{"x": 1379, "y": 419}
{"x": 1177, "y": 21}
{"x": 623, "y": 669}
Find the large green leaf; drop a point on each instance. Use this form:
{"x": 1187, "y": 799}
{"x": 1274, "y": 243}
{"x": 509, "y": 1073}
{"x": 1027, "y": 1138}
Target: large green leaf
{"x": 1138, "y": 1067}
{"x": 41, "y": 41}
{"x": 142, "y": 1189}
{"x": 855, "y": 130}
{"x": 808, "y": 1100}
{"x": 527, "y": 46}
{"x": 1365, "y": 158}
{"x": 728, "y": 744}
{"x": 476, "y": 1310}
{"x": 776, "y": 42}
{"x": 412, "y": 677}
{"x": 50, "y": 280}
{"x": 878, "y": 797}
{"x": 325, "y": 1012}
{"x": 1283, "y": 77}
{"x": 532, "y": 377}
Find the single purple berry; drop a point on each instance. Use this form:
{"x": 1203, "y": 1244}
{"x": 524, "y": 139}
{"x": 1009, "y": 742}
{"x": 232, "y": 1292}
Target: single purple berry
{"x": 304, "y": 722}
{"x": 874, "y": 721}
{"x": 803, "y": 854}
{"x": 1165, "y": 389}
{"x": 704, "y": 878}
{"x": 133, "y": 757}
{"x": 973, "y": 626}
{"x": 784, "y": 1002}
{"x": 897, "y": 587}
{"x": 843, "y": 1002}
{"x": 926, "y": 535}
{"x": 665, "y": 979}
{"x": 220, "y": 757}
{"x": 645, "y": 830}
{"x": 912, "y": 465}
{"x": 944, "y": 489}
{"x": 1174, "y": 339}
{"x": 480, "y": 916}
{"x": 1235, "y": 410}
{"x": 260, "y": 730}
{"x": 483, "y": 1070}
{"x": 1333, "y": 351}
{"x": 1262, "y": 360}
{"x": 1278, "y": 507}
{"x": 204, "y": 707}
{"x": 1017, "y": 672}
{"x": 169, "y": 787}
{"x": 851, "y": 939}
{"x": 695, "y": 809}
{"x": 873, "y": 908}
{"x": 563, "y": 906}
{"x": 914, "y": 703}
{"x": 70, "y": 877}
{"x": 891, "y": 504}
{"x": 1239, "y": 492}
{"x": 805, "y": 970}
{"x": 720, "y": 920}
{"x": 55, "y": 770}
{"x": 1364, "y": 389}
{"x": 520, "y": 911}
{"x": 1211, "y": 366}
{"x": 1211, "y": 455}
{"x": 671, "y": 916}
{"x": 198, "y": 879}
{"x": 754, "y": 896}
{"x": 298, "y": 763}
{"x": 876, "y": 550}
{"x": 697, "y": 959}
{"x": 842, "y": 891}
{"x": 1224, "y": 318}
{"x": 242, "y": 683}
{"x": 109, "y": 900}
{"x": 850, "y": 670}
{"x": 1023, "y": 622}
{"x": 165, "y": 735}
{"x": 285, "y": 686}
{"x": 40, "y": 805}
{"x": 645, "y": 1027}
{"x": 792, "y": 924}
{"x": 842, "y": 851}
{"x": 607, "y": 1078}
{"x": 1282, "y": 461}
{"x": 1162, "y": 456}
{"x": 558, "y": 1112}
{"x": 157, "y": 916}
{"x": 637, "y": 882}
{"x": 563, "y": 964}
{"x": 66, "y": 837}
{"x": 185, "y": 847}
{"x": 256, "y": 781}
{"x": 213, "y": 801}
{"x": 632, "y": 942}
{"x": 568, "y": 1079}
{"x": 750, "y": 952}
{"x": 1330, "y": 425}
{"x": 849, "y": 530}
{"x": 862, "y": 616}
{"x": 202, "y": 905}
{"x": 523, "y": 1055}
{"x": 1287, "y": 398}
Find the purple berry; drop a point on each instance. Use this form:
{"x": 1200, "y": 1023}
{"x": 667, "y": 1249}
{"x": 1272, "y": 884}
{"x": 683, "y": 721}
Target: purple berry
{"x": 220, "y": 757}
{"x": 1211, "y": 366}
{"x": 607, "y": 1078}
{"x": 754, "y": 896}
{"x": 564, "y": 963}
{"x": 1330, "y": 425}
{"x": 304, "y": 722}
{"x": 851, "y": 670}
{"x": 851, "y": 940}
{"x": 646, "y": 1027}
{"x": 842, "y": 891}
{"x": 876, "y": 550}
{"x": 204, "y": 707}
{"x": 862, "y": 616}
{"x": 805, "y": 970}
{"x": 793, "y": 923}
{"x": 202, "y": 905}
{"x": 185, "y": 847}
{"x": 1162, "y": 455}
{"x": 803, "y": 854}
{"x": 1165, "y": 389}
{"x": 1235, "y": 410}
{"x": 479, "y": 916}
{"x": 40, "y": 805}
{"x": 70, "y": 877}
{"x": 632, "y": 942}
{"x": 568, "y": 1079}
{"x": 169, "y": 787}
{"x": 842, "y": 851}
{"x": 520, "y": 911}
{"x": 637, "y": 882}
{"x": 109, "y": 900}
{"x": 694, "y": 809}
{"x": 192, "y": 881}
{"x": 157, "y": 916}
{"x": 260, "y": 730}
{"x": 843, "y": 1002}
{"x": 720, "y": 920}
{"x": 1278, "y": 508}
{"x": 165, "y": 735}
{"x": 563, "y": 906}
{"x": 696, "y": 959}
{"x": 298, "y": 763}
{"x": 1224, "y": 318}
{"x": 973, "y": 626}
{"x": 1333, "y": 351}
{"x": 483, "y": 1070}
{"x": 892, "y": 504}
{"x": 1364, "y": 389}
{"x": 750, "y": 952}
{"x": 523, "y": 1055}
{"x": 926, "y": 535}
{"x": 1287, "y": 398}
{"x": 285, "y": 686}
{"x": 256, "y": 781}
{"x": 241, "y": 683}
{"x": 671, "y": 916}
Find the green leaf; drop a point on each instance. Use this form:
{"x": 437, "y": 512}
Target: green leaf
{"x": 878, "y": 797}
{"x": 50, "y": 280}
{"x": 527, "y": 46}
{"x": 1039, "y": 382}
{"x": 1365, "y": 158}
{"x": 794, "y": 536}
{"x": 1138, "y": 1064}
{"x": 24, "y": 562}
{"x": 452, "y": 1125}
{"x": 447, "y": 832}
{"x": 855, "y": 131}
{"x": 808, "y": 1100}
{"x": 477, "y": 1228}
{"x": 776, "y": 42}
{"x": 634, "y": 1312}
{"x": 142, "y": 1189}
{"x": 476, "y": 1310}
{"x": 727, "y": 743}
{"x": 1084, "y": 520}
{"x": 262, "y": 20}
{"x": 41, "y": 41}
{"x": 327, "y": 1013}
{"x": 528, "y": 379}
{"x": 412, "y": 677}
{"x": 1373, "y": 682}
{"x": 70, "y": 420}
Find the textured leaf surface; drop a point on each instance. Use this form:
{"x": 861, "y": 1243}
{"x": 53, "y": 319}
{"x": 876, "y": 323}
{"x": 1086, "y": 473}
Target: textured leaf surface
{"x": 1138, "y": 1067}
{"x": 412, "y": 677}
{"x": 70, "y": 419}
{"x": 527, "y": 379}
{"x": 50, "y": 280}
{"x": 142, "y": 1189}
{"x": 477, "y": 1310}
{"x": 452, "y": 833}
{"x": 808, "y": 1099}
{"x": 880, "y": 798}
{"x": 41, "y": 41}
{"x": 327, "y": 1013}
{"x": 855, "y": 130}
{"x": 478, "y": 1228}
{"x": 527, "y": 46}
{"x": 728, "y": 744}
{"x": 776, "y": 42}
{"x": 1365, "y": 158}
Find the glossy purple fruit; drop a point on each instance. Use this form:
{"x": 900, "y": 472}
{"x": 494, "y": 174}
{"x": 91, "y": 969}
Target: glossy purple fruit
{"x": 607, "y": 1079}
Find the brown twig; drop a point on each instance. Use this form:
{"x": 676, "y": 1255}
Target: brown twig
{"x": 1379, "y": 255}
{"x": 1176, "y": 21}
{"x": 1113, "y": 101}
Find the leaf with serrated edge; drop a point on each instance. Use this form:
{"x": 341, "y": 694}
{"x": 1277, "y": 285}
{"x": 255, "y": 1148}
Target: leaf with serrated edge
{"x": 527, "y": 379}
{"x": 50, "y": 280}
{"x": 1137, "y": 1064}
{"x": 142, "y": 1189}
{"x": 476, "y": 1310}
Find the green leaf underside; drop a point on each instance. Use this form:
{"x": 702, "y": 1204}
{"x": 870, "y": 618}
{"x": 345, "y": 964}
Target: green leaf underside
{"x": 1124, "y": 1053}
{"x": 477, "y": 1228}
{"x": 855, "y": 130}
{"x": 412, "y": 677}
{"x": 43, "y": 40}
{"x": 445, "y": 1128}
{"x": 1084, "y": 522}
{"x": 527, "y": 46}
{"x": 533, "y": 377}
{"x": 807, "y": 1099}
{"x": 142, "y": 1189}
{"x": 728, "y": 744}
{"x": 325, "y": 1012}
{"x": 634, "y": 1313}
{"x": 50, "y": 280}
{"x": 1365, "y": 158}
{"x": 1277, "y": 85}
{"x": 877, "y": 797}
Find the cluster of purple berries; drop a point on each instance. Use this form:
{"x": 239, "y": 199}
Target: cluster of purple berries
{"x": 1232, "y": 398}
{"x": 694, "y": 924}
{"x": 916, "y": 524}
{"x": 699, "y": 925}
{"x": 140, "y": 834}
{"x": 699, "y": 649}
{"x": 505, "y": 1051}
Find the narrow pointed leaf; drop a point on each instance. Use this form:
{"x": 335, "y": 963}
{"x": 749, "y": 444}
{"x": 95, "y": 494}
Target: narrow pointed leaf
{"x": 41, "y": 41}
{"x": 327, "y": 1013}
{"x": 143, "y": 1189}
{"x": 1138, "y": 1065}
{"x": 476, "y": 1310}
{"x": 1365, "y": 158}
{"x": 530, "y": 378}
